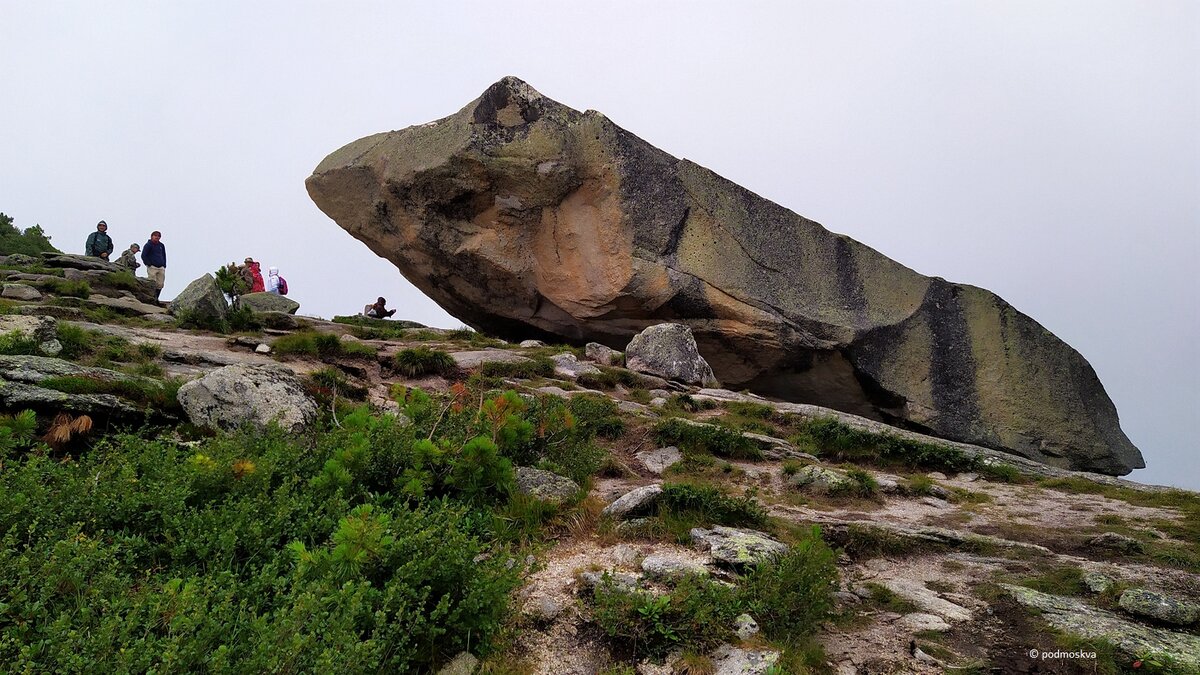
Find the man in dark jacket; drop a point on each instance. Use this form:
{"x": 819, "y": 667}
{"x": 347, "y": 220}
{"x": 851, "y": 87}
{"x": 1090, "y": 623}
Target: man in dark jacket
{"x": 154, "y": 254}
{"x": 99, "y": 244}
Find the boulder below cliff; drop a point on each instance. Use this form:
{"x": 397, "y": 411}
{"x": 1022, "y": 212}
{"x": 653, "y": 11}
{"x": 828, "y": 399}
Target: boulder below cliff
{"x": 526, "y": 218}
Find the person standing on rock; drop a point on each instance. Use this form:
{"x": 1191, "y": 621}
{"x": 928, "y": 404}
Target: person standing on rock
{"x": 154, "y": 254}
{"x": 99, "y": 244}
{"x": 128, "y": 259}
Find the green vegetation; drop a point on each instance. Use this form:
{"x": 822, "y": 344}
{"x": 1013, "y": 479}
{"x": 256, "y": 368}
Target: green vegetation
{"x": 610, "y": 378}
{"x": 597, "y": 415}
{"x": 861, "y": 485}
{"x": 323, "y": 346}
{"x": 124, "y": 279}
{"x": 420, "y": 361}
{"x": 828, "y": 438}
{"x": 788, "y": 596}
{"x": 153, "y": 394}
{"x": 74, "y": 289}
{"x": 370, "y": 546}
{"x": 367, "y": 328}
{"x": 30, "y": 241}
{"x": 536, "y": 366}
{"x": 705, "y": 438}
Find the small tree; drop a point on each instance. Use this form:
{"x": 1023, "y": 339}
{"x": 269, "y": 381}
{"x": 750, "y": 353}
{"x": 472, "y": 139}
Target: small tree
{"x": 231, "y": 283}
{"x": 30, "y": 241}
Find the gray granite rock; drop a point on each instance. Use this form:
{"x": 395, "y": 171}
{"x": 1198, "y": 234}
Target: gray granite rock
{"x": 43, "y": 330}
{"x": 268, "y": 302}
{"x": 730, "y": 660}
{"x": 745, "y": 626}
{"x": 566, "y": 365}
{"x": 604, "y": 355}
{"x": 232, "y": 396}
{"x": 737, "y": 547}
{"x": 669, "y": 567}
{"x": 202, "y": 300}
{"x": 20, "y": 292}
{"x": 668, "y": 350}
{"x": 660, "y": 459}
{"x": 1159, "y": 607}
{"x": 634, "y": 502}
{"x": 545, "y": 484}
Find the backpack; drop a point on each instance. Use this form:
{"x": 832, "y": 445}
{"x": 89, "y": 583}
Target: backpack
{"x": 282, "y": 286}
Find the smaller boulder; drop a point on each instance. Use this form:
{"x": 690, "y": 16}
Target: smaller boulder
{"x": 657, "y": 461}
{"x": 1096, "y": 582}
{"x": 738, "y": 547}
{"x": 667, "y": 567}
{"x": 618, "y": 580}
{"x": 268, "y": 302}
{"x": 634, "y": 502}
{"x": 531, "y": 344}
{"x": 232, "y": 396}
{"x": 602, "y": 354}
{"x": 566, "y": 365}
{"x": 1159, "y": 607}
{"x": 20, "y": 292}
{"x": 545, "y": 484}
{"x": 920, "y": 621}
{"x": 464, "y": 664}
{"x": 202, "y": 301}
{"x": 818, "y": 479}
{"x": 669, "y": 350}
{"x": 1112, "y": 541}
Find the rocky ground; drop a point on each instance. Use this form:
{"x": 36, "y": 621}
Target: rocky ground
{"x": 982, "y": 570}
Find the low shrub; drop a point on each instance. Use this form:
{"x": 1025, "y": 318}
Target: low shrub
{"x": 860, "y": 485}
{"x": 15, "y": 343}
{"x": 332, "y": 382}
{"x": 597, "y": 415}
{"x": 610, "y": 378}
{"x": 122, "y": 280}
{"x": 153, "y": 394}
{"x": 420, "y": 361}
{"x": 535, "y": 367}
{"x": 831, "y": 439}
{"x": 243, "y": 319}
{"x": 75, "y": 289}
{"x": 791, "y": 595}
{"x": 323, "y": 346}
{"x": 705, "y": 438}
{"x": 185, "y": 318}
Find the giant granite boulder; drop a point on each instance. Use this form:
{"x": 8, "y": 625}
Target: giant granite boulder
{"x": 525, "y": 218}
{"x": 202, "y": 301}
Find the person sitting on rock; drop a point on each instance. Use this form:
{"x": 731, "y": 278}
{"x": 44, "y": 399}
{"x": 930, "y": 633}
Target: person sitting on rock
{"x": 128, "y": 259}
{"x": 378, "y": 310}
{"x": 99, "y": 244}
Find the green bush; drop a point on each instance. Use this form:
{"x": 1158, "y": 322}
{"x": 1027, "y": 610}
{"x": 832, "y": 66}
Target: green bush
{"x": 124, "y": 279}
{"x": 705, "y": 438}
{"x": 610, "y": 378}
{"x": 15, "y": 343}
{"x": 831, "y": 439}
{"x": 153, "y": 394}
{"x": 324, "y": 346}
{"x": 75, "y": 289}
{"x": 420, "y": 361}
{"x": 233, "y": 556}
{"x": 194, "y": 320}
{"x": 243, "y": 319}
{"x": 537, "y": 366}
{"x": 30, "y": 241}
{"x": 791, "y": 595}
{"x": 860, "y": 484}
{"x": 704, "y": 505}
{"x": 597, "y": 415}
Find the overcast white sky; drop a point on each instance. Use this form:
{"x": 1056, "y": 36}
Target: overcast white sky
{"x": 1048, "y": 151}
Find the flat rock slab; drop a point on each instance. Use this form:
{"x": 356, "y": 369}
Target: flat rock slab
{"x": 927, "y": 599}
{"x": 738, "y": 547}
{"x": 20, "y": 292}
{"x": 1132, "y": 638}
{"x": 268, "y": 302}
{"x": 566, "y": 365}
{"x": 1159, "y": 607}
{"x": 467, "y": 360}
{"x": 672, "y": 565}
{"x": 129, "y": 306}
{"x": 657, "y": 461}
{"x": 634, "y": 502}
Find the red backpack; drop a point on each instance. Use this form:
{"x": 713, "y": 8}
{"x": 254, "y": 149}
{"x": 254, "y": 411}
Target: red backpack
{"x": 282, "y": 286}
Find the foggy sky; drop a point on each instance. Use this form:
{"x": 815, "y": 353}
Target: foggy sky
{"x": 1047, "y": 151}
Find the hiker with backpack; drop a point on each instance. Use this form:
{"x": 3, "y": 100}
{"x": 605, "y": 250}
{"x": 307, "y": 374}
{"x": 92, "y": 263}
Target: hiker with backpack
{"x": 275, "y": 283}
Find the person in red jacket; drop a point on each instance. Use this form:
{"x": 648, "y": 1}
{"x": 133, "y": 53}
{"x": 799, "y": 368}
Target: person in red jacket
{"x": 252, "y": 272}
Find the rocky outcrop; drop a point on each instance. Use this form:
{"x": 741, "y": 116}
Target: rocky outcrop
{"x": 737, "y": 547}
{"x": 1133, "y": 639}
{"x": 230, "y": 397}
{"x": 20, "y": 292}
{"x": 524, "y": 217}
{"x": 268, "y": 302}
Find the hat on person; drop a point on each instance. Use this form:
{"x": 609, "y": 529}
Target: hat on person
{"x": 248, "y": 260}
{"x": 135, "y": 247}
{"x": 101, "y": 223}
